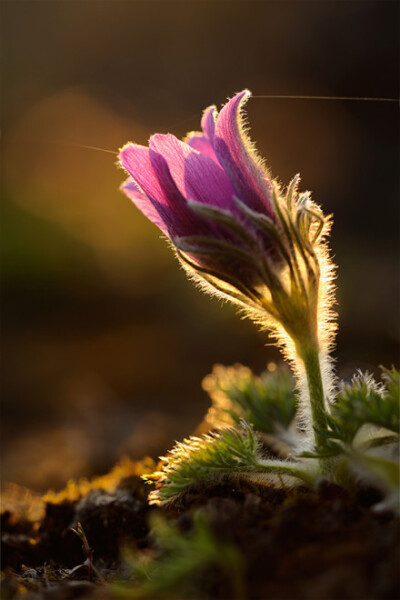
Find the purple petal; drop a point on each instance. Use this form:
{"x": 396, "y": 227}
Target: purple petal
{"x": 208, "y": 122}
{"x": 143, "y": 203}
{"x": 136, "y": 160}
{"x": 203, "y": 141}
{"x": 235, "y": 153}
{"x": 196, "y": 175}
{"x": 199, "y": 142}
{"x": 181, "y": 220}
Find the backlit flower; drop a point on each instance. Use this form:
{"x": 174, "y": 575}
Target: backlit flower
{"x": 230, "y": 224}
{"x": 197, "y": 192}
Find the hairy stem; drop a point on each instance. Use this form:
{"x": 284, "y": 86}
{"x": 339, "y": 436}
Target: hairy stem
{"x": 286, "y": 468}
{"x": 310, "y": 357}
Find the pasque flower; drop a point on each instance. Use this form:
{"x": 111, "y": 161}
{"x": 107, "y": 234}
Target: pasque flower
{"x": 245, "y": 238}
{"x": 234, "y": 230}
{"x": 198, "y": 192}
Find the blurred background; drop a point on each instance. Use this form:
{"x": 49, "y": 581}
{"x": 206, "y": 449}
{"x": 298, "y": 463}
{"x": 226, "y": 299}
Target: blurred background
{"x": 105, "y": 342}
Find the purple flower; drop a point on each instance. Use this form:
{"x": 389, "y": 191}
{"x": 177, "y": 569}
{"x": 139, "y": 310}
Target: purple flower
{"x": 207, "y": 194}
{"x": 239, "y": 234}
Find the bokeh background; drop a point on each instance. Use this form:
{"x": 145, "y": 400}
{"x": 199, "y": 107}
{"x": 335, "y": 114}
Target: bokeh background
{"x": 105, "y": 342}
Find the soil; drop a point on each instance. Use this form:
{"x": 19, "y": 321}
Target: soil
{"x": 298, "y": 545}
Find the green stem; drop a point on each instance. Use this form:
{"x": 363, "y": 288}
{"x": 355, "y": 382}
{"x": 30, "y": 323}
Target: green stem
{"x": 310, "y": 357}
{"x": 286, "y": 468}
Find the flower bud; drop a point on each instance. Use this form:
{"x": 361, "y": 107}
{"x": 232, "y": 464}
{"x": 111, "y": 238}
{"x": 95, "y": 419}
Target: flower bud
{"x": 232, "y": 229}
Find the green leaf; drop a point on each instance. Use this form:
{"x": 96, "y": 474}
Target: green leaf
{"x": 269, "y": 402}
{"x": 180, "y": 561}
{"x": 367, "y": 402}
{"x": 228, "y": 451}
{"x": 387, "y": 471}
{"x": 391, "y": 380}
{"x": 362, "y": 402}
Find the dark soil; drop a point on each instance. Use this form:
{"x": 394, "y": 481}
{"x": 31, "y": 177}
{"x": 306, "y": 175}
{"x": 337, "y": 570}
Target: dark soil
{"x": 298, "y": 545}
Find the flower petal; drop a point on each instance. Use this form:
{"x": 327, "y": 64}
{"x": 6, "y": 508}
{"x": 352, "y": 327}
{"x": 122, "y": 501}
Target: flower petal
{"x": 208, "y": 122}
{"x": 235, "y": 153}
{"x": 144, "y": 203}
{"x": 136, "y": 160}
{"x": 199, "y": 142}
{"x": 203, "y": 141}
{"x": 181, "y": 220}
{"x": 196, "y": 175}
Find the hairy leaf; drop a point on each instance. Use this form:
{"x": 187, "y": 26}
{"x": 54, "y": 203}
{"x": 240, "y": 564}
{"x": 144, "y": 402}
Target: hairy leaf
{"x": 363, "y": 402}
{"x": 228, "y": 451}
{"x": 268, "y": 402}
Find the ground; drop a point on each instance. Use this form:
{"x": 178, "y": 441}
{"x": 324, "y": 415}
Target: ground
{"x": 324, "y": 545}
